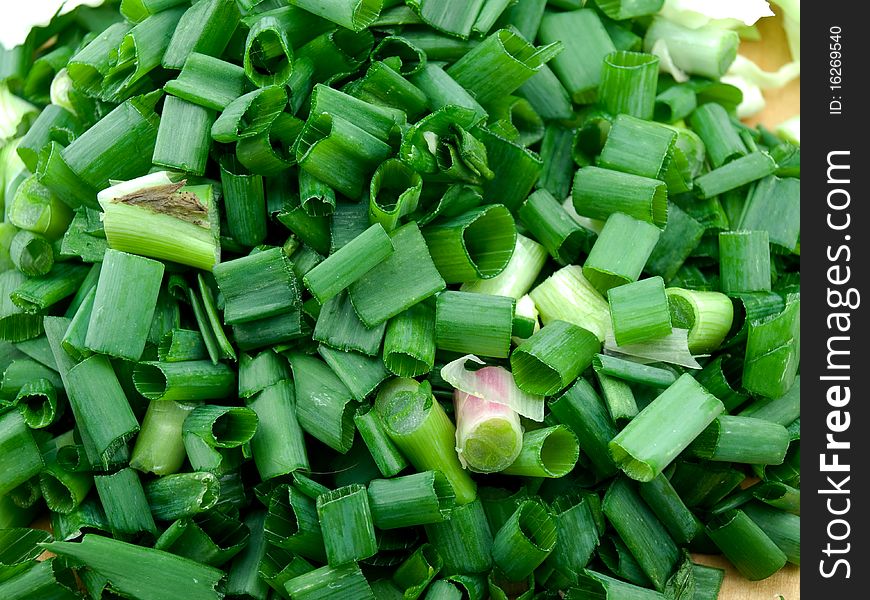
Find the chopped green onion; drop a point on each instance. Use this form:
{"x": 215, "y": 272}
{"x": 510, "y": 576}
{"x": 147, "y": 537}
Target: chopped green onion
{"x": 639, "y": 311}
{"x": 548, "y": 452}
{"x": 675, "y": 104}
{"x": 516, "y": 279}
{"x": 525, "y": 540}
{"x": 488, "y": 434}
{"x": 464, "y": 541}
{"x": 278, "y": 446}
{"x": 568, "y": 296}
{"x": 244, "y": 202}
{"x": 159, "y": 448}
{"x": 256, "y": 286}
{"x": 640, "y": 148}
{"x": 707, "y": 315}
{"x": 667, "y": 505}
{"x": 182, "y": 495}
{"x": 783, "y": 410}
{"x": 21, "y": 458}
{"x": 250, "y": 114}
{"x": 339, "y": 327}
{"x": 442, "y": 90}
{"x": 474, "y": 323}
{"x": 183, "y": 381}
{"x": 781, "y": 527}
{"x": 35, "y": 208}
{"x": 628, "y": 83}
{"x": 551, "y": 359}
{"x": 621, "y": 10}
{"x": 744, "y": 264}
{"x": 746, "y": 545}
{"x": 560, "y": 234}
{"x": 414, "y": 575}
{"x": 384, "y": 452}
{"x": 346, "y": 518}
{"x": 515, "y": 170}
{"x": 204, "y": 28}
{"x": 584, "y": 413}
{"x": 772, "y": 352}
{"x": 268, "y": 57}
{"x": 409, "y": 342}
{"x": 418, "y": 499}
{"x": 707, "y": 51}
{"x": 126, "y": 506}
{"x": 774, "y": 205}
{"x": 738, "y": 172}
{"x": 37, "y": 403}
{"x": 615, "y": 261}
{"x": 183, "y": 136}
{"x": 599, "y": 193}
{"x": 343, "y": 582}
{"x": 207, "y": 81}
{"x": 31, "y": 253}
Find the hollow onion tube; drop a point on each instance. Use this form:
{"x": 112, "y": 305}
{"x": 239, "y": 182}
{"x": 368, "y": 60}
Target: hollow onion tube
{"x": 393, "y": 193}
{"x": 488, "y": 434}
{"x": 780, "y": 526}
{"x": 123, "y": 498}
{"x": 464, "y": 541}
{"x": 639, "y": 311}
{"x": 409, "y": 342}
{"x": 207, "y": 81}
{"x": 739, "y": 172}
{"x": 667, "y": 505}
{"x": 620, "y": 252}
{"x": 643, "y": 460}
{"x": 516, "y": 279}
{"x": 743, "y": 440}
{"x": 568, "y": 296}
{"x": 585, "y": 414}
{"x": 256, "y": 286}
{"x": 474, "y": 323}
{"x": 772, "y": 352}
{"x": 545, "y": 218}
{"x": 205, "y": 28}
{"x": 386, "y": 455}
{"x": 418, "y": 425}
{"x": 525, "y": 540}
{"x": 344, "y": 582}
{"x": 549, "y": 360}
{"x": 744, "y": 261}
{"x": 746, "y": 545}
{"x": 186, "y": 381}
{"x": 548, "y": 452}
{"x": 599, "y": 193}
{"x": 21, "y": 458}
{"x": 159, "y": 448}
{"x": 417, "y": 499}
{"x": 706, "y": 51}
{"x": 346, "y": 519}
{"x": 628, "y": 84}
{"x": 722, "y": 143}
{"x": 707, "y": 315}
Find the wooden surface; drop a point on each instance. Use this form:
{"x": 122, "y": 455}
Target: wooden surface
{"x": 770, "y": 53}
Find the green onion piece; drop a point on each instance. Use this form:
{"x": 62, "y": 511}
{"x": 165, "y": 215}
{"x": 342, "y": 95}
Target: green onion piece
{"x": 126, "y": 506}
{"x": 516, "y": 279}
{"x": 706, "y": 51}
{"x": 347, "y": 265}
{"x": 377, "y": 121}
{"x": 560, "y": 234}
{"x": 55, "y": 174}
{"x": 774, "y": 205}
{"x": 476, "y": 245}
{"x": 385, "y": 86}
{"x": 203, "y": 28}
{"x": 418, "y": 499}
{"x": 453, "y": 17}
{"x": 547, "y": 452}
{"x": 118, "y": 147}
{"x": 721, "y": 140}
{"x": 738, "y": 172}
{"x": 599, "y": 193}
{"x": 339, "y": 327}
{"x": 256, "y": 286}
{"x": 179, "y": 345}
{"x": 744, "y": 261}
{"x": 243, "y": 577}
{"x": 343, "y": 582}
{"x": 159, "y": 448}
{"x": 317, "y": 198}
{"x": 22, "y": 371}
{"x": 38, "y": 293}
{"x": 781, "y": 527}
{"x": 360, "y": 373}
{"x": 616, "y": 556}
{"x": 339, "y": 153}
{"x": 348, "y": 222}
{"x": 545, "y": 93}
{"x": 568, "y": 296}
{"x": 675, "y": 104}
{"x": 356, "y": 15}
{"x": 249, "y": 115}
{"x": 578, "y": 524}
{"x": 618, "y": 397}
{"x": 772, "y": 352}
{"x": 394, "y": 192}
{"x": 268, "y": 55}
{"x": 442, "y": 90}
{"x": 207, "y": 81}
{"x": 244, "y": 202}
{"x": 779, "y": 495}
{"x": 639, "y": 311}
{"x": 418, "y": 425}
{"x": 704, "y": 485}
{"x": 414, "y": 575}
{"x": 667, "y": 505}
{"x": 324, "y": 406}
{"x": 621, "y": 10}
{"x": 182, "y": 495}
{"x": 579, "y": 65}
{"x": 707, "y": 315}
{"x": 278, "y": 566}
{"x": 591, "y": 584}
{"x": 183, "y": 138}
{"x": 21, "y": 458}
{"x": 628, "y": 83}
{"x": 346, "y": 519}
{"x": 37, "y": 403}
{"x": 488, "y": 434}
{"x": 516, "y": 119}
{"x": 557, "y": 163}
{"x": 638, "y": 147}
{"x": 292, "y": 523}
{"x": 464, "y": 541}
{"x": 131, "y": 568}
{"x": 584, "y": 413}
{"x": 384, "y": 452}
{"x": 271, "y": 152}
{"x": 31, "y": 253}
{"x": 409, "y": 342}
{"x": 525, "y": 540}
{"x": 525, "y": 17}
{"x": 278, "y": 446}
{"x": 642, "y": 532}
{"x": 48, "y": 124}
{"x": 615, "y": 261}
{"x": 474, "y": 323}
{"x": 205, "y": 311}
{"x": 124, "y": 305}
{"x": 35, "y": 208}
{"x": 746, "y": 545}
{"x": 553, "y": 357}
{"x": 280, "y": 329}
{"x": 185, "y": 381}
{"x": 212, "y": 539}
{"x": 102, "y": 413}
{"x": 500, "y": 64}
{"x": 515, "y": 170}
{"x": 89, "y": 65}
{"x": 222, "y": 426}
{"x": 783, "y": 410}
{"x": 313, "y": 231}
{"x": 16, "y": 325}
{"x": 413, "y": 275}
{"x": 260, "y": 372}
{"x": 642, "y": 460}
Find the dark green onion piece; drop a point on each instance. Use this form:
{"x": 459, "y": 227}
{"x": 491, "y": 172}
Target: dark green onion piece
{"x": 783, "y": 410}
{"x": 281, "y": 329}
{"x": 546, "y": 95}
{"x": 552, "y": 226}
{"x": 621, "y": 10}
{"x": 184, "y": 381}
{"x": 55, "y": 174}
{"x": 772, "y": 352}
{"x": 360, "y": 373}
{"x": 62, "y": 490}
{"x": 342, "y": 582}
{"x": 578, "y": 524}
{"x": 557, "y": 163}
{"x": 38, "y": 293}
{"x": 551, "y": 359}
{"x": 271, "y": 152}
{"x": 525, "y": 540}
{"x": 584, "y": 413}
{"x": 243, "y": 574}
{"x": 384, "y": 452}
{"x": 743, "y": 440}
{"x": 87, "y": 67}
{"x": 382, "y": 123}
{"x": 124, "y": 501}
{"x": 591, "y": 584}
{"x": 339, "y": 327}
{"x": 317, "y": 198}
{"x": 208, "y": 321}
{"x": 515, "y": 170}
{"x": 746, "y": 545}
{"x": 721, "y": 140}
{"x": 37, "y": 403}
{"x": 667, "y": 505}
{"x": 409, "y": 342}
{"x": 637, "y": 526}
{"x": 774, "y": 205}
{"x": 780, "y": 526}
{"x": 418, "y": 425}
{"x": 413, "y": 575}
{"x": 35, "y": 208}
{"x": 204, "y": 28}
{"x": 159, "y": 448}
{"x": 675, "y": 104}
{"x": 184, "y": 136}
{"x": 52, "y": 119}
{"x": 212, "y": 539}
{"x": 739, "y": 172}
{"x": 464, "y": 541}
{"x": 394, "y": 192}
{"x": 244, "y": 202}
{"x": 260, "y": 372}
{"x": 250, "y": 114}
{"x": 124, "y": 304}
{"x": 744, "y": 261}
{"x": 222, "y": 426}
{"x": 207, "y": 81}
{"x": 412, "y": 272}
{"x": 31, "y": 253}
{"x": 500, "y": 64}
{"x": 620, "y": 252}
{"x": 643, "y": 450}
{"x": 292, "y": 523}
{"x": 638, "y": 147}
{"x": 442, "y": 90}
{"x": 639, "y": 311}
{"x": 779, "y": 495}
{"x": 21, "y": 458}
{"x": 474, "y": 323}
{"x": 131, "y": 568}
{"x": 579, "y": 65}
{"x": 417, "y": 499}
{"x": 346, "y": 518}
{"x": 268, "y": 56}
{"x": 256, "y": 286}
{"x": 547, "y": 452}
{"x": 181, "y": 344}
{"x": 599, "y": 193}
{"x": 278, "y": 446}
{"x": 182, "y": 495}
{"x": 628, "y": 83}
{"x": 453, "y": 17}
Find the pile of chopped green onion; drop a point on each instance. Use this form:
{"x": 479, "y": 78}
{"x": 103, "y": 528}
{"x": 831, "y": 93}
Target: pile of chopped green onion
{"x": 373, "y": 299}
